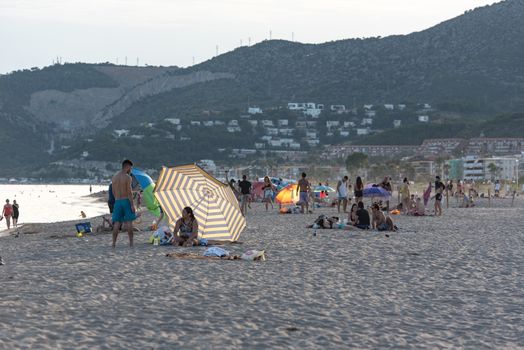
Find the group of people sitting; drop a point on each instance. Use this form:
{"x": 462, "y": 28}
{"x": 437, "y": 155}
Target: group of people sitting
{"x": 415, "y": 206}
{"x": 360, "y": 218}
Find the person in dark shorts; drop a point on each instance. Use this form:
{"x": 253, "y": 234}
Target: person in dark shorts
{"x": 16, "y": 213}
{"x": 359, "y": 189}
{"x": 245, "y": 194}
{"x": 439, "y": 189}
{"x": 111, "y": 199}
{"x": 363, "y": 220}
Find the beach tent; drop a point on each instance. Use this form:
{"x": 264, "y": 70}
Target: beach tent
{"x": 148, "y": 186}
{"x": 288, "y": 195}
{"x": 213, "y": 202}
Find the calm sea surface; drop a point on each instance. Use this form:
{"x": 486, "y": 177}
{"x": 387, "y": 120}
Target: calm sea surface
{"x": 51, "y": 203}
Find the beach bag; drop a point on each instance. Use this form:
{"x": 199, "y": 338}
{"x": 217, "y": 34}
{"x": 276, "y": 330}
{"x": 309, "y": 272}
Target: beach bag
{"x": 164, "y": 236}
{"x": 216, "y": 252}
{"x": 83, "y": 227}
{"x": 254, "y": 255}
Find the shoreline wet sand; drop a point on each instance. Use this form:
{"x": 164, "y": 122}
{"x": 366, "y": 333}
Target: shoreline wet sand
{"x": 454, "y": 281}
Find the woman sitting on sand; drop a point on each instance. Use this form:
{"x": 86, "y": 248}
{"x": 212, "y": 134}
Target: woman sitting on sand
{"x": 352, "y": 217}
{"x": 186, "y": 229}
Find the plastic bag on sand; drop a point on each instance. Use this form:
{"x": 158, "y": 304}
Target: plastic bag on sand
{"x": 254, "y": 255}
{"x": 216, "y": 251}
{"x": 163, "y": 234}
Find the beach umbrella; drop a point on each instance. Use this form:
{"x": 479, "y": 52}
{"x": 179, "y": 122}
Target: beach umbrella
{"x": 373, "y": 192}
{"x": 213, "y": 202}
{"x": 148, "y": 186}
{"x": 324, "y": 188}
{"x": 288, "y": 195}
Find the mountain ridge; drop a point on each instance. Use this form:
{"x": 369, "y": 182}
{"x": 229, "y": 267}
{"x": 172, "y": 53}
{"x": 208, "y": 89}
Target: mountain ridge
{"x": 470, "y": 64}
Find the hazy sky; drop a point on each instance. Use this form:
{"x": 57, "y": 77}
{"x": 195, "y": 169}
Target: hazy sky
{"x": 172, "y": 32}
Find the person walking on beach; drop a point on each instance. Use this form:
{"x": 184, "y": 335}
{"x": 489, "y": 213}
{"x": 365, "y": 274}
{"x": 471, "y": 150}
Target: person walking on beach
{"x": 359, "y": 189}
{"x": 342, "y": 194}
{"x": 268, "y": 190}
{"x": 16, "y": 213}
{"x": 439, "y": 189}
{"x": 303, "y": 189}
{"x": 245, "y": 193}
{"x": 7, "y": 213}
{"x": 124, "y": 211}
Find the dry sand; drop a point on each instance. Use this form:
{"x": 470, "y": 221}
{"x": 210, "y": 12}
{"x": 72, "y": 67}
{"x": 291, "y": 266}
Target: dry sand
{"x": 450, "y": 282}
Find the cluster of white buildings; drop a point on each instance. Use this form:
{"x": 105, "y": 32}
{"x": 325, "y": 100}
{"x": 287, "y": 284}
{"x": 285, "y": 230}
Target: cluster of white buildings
{"x": 302, "y": 131}
{"x": 491, "y": 168}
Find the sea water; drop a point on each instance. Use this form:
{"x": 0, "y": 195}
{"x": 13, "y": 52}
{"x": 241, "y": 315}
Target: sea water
{"x": 52, "y": 203}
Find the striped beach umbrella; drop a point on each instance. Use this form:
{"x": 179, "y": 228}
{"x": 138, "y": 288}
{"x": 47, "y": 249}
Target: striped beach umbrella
{"x": 213, "y": 202}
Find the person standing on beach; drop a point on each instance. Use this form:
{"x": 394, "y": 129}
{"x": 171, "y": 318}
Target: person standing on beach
{"x": 405, "y": 196}
{"x": 303, "y": 189}
{"x": 359, "y": 190}
{"x": 268, "y": 190}
{"x": 16, "y": 213}
{"x": 7, "y": 213}
{"x": 439, "y": 189}
{"x": 245, "y": 194}
{"x": 124, "y": 211}
{"x": 343, "y": 193}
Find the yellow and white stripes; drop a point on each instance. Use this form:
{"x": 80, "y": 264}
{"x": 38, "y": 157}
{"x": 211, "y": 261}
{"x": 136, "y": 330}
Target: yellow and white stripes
{"x": 213, "y": 202}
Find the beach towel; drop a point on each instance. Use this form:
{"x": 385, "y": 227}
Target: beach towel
{"x": 427, "y": 195}
{"x": 196, "y": 256}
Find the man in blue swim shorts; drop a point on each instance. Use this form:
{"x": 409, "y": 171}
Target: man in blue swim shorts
{"x": 124, "y": 211}
{"x": 303, "y": 189}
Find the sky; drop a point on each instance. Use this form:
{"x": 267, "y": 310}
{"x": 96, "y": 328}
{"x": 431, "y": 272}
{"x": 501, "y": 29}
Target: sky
{"x": 33, "y": 33}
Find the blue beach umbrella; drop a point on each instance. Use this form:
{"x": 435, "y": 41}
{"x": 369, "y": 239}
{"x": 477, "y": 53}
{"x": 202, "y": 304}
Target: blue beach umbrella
{"x": 374, "y": 192}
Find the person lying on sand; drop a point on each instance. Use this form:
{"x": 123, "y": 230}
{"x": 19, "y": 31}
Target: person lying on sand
{"x": 186, "y": 229}
{"x": 324, "y": 222}
{"x": 380, "y": 221}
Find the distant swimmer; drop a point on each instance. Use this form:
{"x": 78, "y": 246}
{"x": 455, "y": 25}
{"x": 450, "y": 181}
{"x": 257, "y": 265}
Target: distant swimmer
{"x": 124, "y": 211}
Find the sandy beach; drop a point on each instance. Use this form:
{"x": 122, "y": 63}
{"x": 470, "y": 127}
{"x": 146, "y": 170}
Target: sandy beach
{"x": 450, "y": 282}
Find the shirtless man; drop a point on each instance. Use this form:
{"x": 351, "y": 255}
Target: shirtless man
{"x": 124, "y": 211}
{"x": 380, "y": 221}
{"x": 303, "y": 189}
